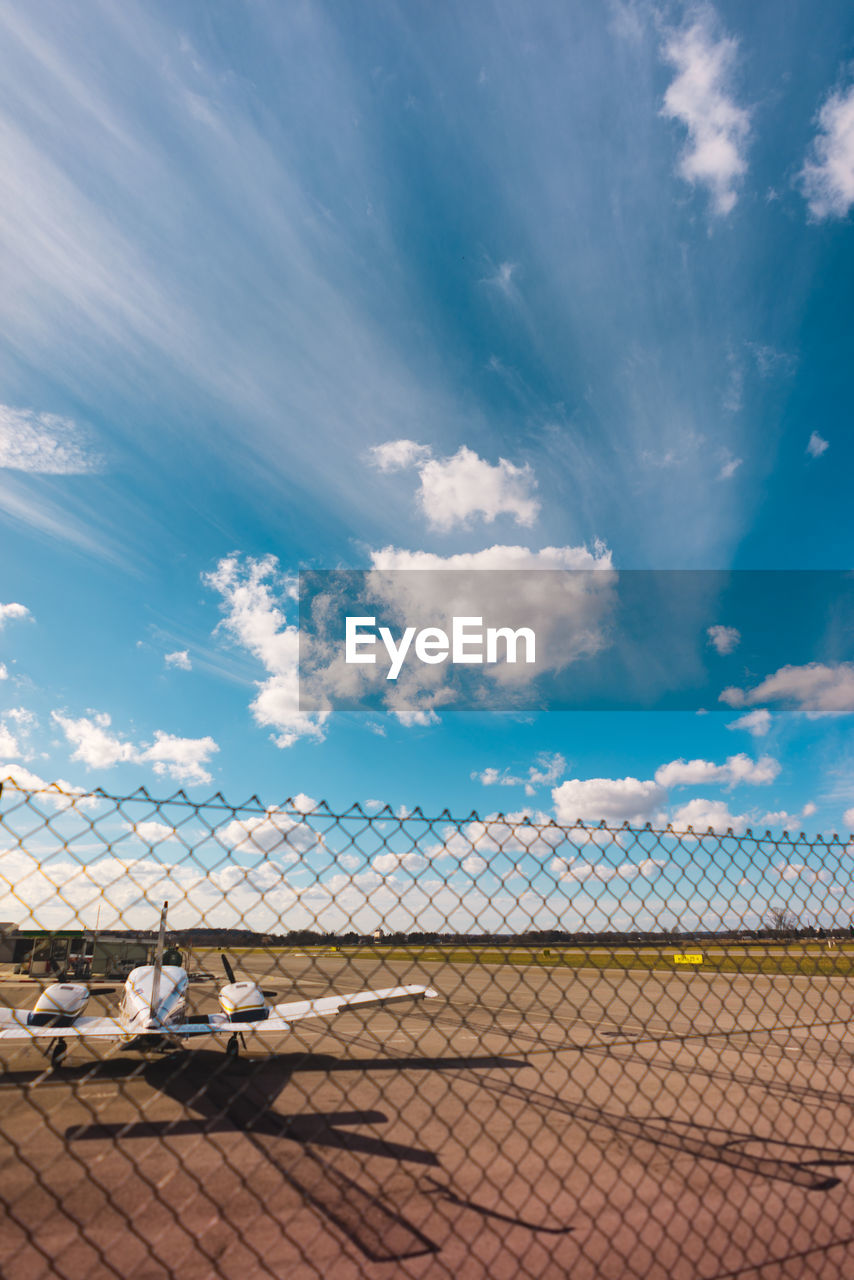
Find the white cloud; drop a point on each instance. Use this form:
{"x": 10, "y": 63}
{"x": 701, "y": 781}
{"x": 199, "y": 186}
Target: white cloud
{"x": 502, "y": 278}
{"x": 276, "y": 833}
{"x": 398, "y": 455}
{"x": 60, "y": 794}
{"x": 153, "y": 833}
{"x": 729, "y": 468}
{"x": 43, "y": 443}
{"x": 4, "y": 673}
{"x": 615, "y": 800}
{"x": 255, "y": 595}
{"x": 12, "y": 611}
{"x": 11, "y": 738}
{"x": 703, "y": 814}
{"x": 848, "y": 819}
{"x": 699, "y": 98}
{"x": 180, "y": 659}
{"x": 453, "y": 490}
{"x": 389, "y": 863}
{"x": 571, "y": 869}
{"x": 780, "y": 818}
{"x": 757, "y": 722}
{"x": 513, "y": 833}
{"x": 545, "y": 771}
{"x": 724, "y": 639}
{"x": 457, "y": 488}
{"x": 816, "y": 445}
{"x": 818, "y": 689}
{"x": 93, "y": 743}
{"x": 791, "y": 871}
{"x": 182, "y": 759}
{"x": 374, "y": 806}
{"x": 827, "y": 178}
{"x": 568, "y": 612}
{"x": 736, "y": 769}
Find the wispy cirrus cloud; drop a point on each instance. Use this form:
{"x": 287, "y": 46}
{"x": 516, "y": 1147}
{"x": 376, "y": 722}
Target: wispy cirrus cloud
{"x": 701, "y": 99}
{"x": 44, "y": 443}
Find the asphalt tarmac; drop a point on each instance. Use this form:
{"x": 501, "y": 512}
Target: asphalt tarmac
{"x": 528, "y": 1122}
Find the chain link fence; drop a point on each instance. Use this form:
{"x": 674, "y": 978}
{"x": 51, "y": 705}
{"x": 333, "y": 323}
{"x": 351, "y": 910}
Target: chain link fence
{"x": 622, "y": 1051}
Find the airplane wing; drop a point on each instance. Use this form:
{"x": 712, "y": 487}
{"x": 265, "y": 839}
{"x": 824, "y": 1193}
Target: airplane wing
{"x": 14, "y": 1026}
{"x": 283, "y": 1015}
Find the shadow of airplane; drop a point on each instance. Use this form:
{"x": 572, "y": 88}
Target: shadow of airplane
{"x": 786, "y": 1161}
{"x": 227, "y": 1095}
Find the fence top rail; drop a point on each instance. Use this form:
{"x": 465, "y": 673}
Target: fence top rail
{"x": 295, "y": 806}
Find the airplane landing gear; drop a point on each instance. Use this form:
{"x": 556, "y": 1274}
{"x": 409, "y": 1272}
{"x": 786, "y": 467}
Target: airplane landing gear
{"x": 58, "y": 1052}
{"x": 232, "y": 1049}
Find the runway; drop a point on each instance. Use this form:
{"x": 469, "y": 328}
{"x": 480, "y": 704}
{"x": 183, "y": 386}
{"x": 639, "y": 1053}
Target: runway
{"x": 530, "y": 1121}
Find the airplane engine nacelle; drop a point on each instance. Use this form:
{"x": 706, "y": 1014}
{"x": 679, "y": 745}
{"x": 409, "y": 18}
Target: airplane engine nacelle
{"x": 59, "y": 1004}
{"x": 243, "y": 1002}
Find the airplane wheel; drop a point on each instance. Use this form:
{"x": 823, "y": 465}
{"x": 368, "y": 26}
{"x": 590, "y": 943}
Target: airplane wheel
{"x": 57, "y": 1057}
{"x": 232, "y": 1048}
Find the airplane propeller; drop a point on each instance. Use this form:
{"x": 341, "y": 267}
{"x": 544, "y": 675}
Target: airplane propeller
{"x": 229, "y": 973}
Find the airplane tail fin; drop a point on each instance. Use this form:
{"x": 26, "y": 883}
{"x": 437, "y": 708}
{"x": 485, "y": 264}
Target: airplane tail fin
{"x": 158, "y": 961}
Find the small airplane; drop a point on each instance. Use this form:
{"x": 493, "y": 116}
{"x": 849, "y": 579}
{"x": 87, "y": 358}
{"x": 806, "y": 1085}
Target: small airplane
{"x": 152, "y": 1012}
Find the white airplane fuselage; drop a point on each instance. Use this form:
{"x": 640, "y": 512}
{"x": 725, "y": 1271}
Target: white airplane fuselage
{"x": 139, "y": 1012}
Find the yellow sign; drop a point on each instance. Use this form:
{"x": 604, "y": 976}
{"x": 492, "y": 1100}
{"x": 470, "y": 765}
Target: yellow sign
{"x": 688, "y": 959}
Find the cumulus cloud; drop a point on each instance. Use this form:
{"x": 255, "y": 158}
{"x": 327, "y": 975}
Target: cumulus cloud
{"x": 791, "y": 871}
{"x": 4, "y": 673}
{"x": 398, "y": 455}
{"x": 59, "y": 793}
{"x": 827, "y": 178}
{"x": 756, "y": 722}
{"x": 8, "y": 612}
{"x": 736, "y": 769}
{"x": 182, "y": 759}
{"x": 453, "y": 490}
{"x": 614, "y": 800}
{"x": 724, "y": 639}
{"x": 700, "y": 99}
{"x": 568, "y": 612}
{"x": 255, "y": 596}
{"x": 701, "y": 815}
{"x": 571, "y": 869}
{"x": 816, "y": 445}
{"x": 9, "y": 746}
{"x": 817, "y": 689}
{"x": 180, "y": 659}
{"x": 153, "y": 833}
{"x": 276, "y": 833}
{"x": 44, "y": 443}
{"x": 848, "y": 819}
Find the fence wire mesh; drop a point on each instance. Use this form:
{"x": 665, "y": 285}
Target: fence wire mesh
{"x": 627, "y": 1051}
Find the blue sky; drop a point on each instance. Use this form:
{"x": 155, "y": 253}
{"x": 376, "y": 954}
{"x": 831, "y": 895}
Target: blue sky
{"x": 310, "y": 286}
